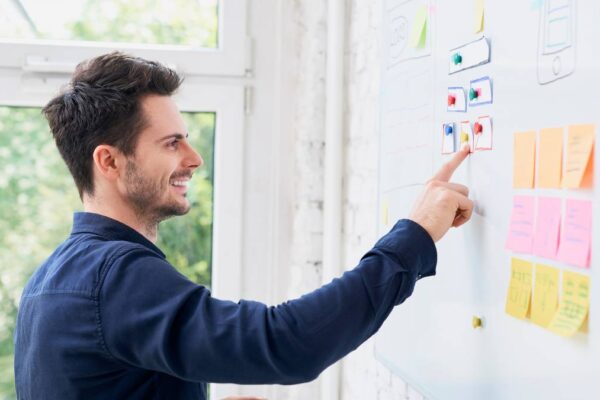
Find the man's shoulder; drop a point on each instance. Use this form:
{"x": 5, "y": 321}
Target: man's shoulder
{"x": 80, "y": 262}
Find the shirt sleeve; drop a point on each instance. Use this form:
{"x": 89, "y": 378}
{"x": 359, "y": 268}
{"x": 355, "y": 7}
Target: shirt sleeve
{"x": 154, "y": 318}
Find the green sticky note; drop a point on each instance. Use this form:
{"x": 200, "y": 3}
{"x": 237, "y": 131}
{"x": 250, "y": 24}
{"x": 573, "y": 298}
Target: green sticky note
{"x": 418, "y": 35}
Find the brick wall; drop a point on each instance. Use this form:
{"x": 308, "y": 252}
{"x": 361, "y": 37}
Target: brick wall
{"x": 363, "y": 377}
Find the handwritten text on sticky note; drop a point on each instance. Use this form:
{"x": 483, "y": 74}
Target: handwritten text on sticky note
{"x": 518, "y": 298}
{"x": 521, "y": 228}
{"x": 574, "y": 304}
{"x": 547, "y": 227}
{"x": 579, "y": 164}
{"x": 545, "y": 295}
{"x": 576, "y": 234}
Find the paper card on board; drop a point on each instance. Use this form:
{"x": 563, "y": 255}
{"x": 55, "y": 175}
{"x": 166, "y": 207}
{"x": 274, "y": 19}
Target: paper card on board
{"x": 579, "y": 163}
{"x": 449, "y": 138}
{"x": 550, "y": 152}
{"x": 483, "y": 139}
{"x": 521, "y": 228}
{"x": 547, "y": 227}
{"x": 480, "y": 92}
{"x": 574, "y": 304}
{"x": 457, "y": 99}
{"x": 469, "y": 55}
{"x": 466, "y": 135}
{"x": 524, "y": 159}
{"x": 545, "y": 295}
{"x": 518, "y": 297}
{"x": 576, "y": 233}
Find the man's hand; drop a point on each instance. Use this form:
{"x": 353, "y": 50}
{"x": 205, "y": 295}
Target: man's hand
{"x": 443, "y": 204}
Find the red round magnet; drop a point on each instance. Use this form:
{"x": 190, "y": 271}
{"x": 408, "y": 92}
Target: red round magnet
{"x": 478, "y": 128}
{"x": 451, "y": 100}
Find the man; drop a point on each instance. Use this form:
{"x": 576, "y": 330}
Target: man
{"x": 107, "y": 317}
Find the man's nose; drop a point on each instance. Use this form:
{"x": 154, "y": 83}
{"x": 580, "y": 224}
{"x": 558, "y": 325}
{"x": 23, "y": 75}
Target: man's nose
{"x": 194, "y": 159}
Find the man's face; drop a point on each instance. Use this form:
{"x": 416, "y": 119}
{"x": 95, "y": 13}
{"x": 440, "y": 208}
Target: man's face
{"x": 157, "y": 176}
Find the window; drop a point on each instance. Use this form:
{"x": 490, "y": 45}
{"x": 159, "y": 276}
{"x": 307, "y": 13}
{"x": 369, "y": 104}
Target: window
{"x": 37, "y": 194}
{"x": 193, "y": 24}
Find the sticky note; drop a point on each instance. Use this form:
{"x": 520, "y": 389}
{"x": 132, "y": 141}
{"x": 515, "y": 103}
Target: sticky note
{"x": 521, "y": 228}
{"x": 547, "y": 227}
{"x": 385, "y": 212}
{"x": 545, "y": 295}
{"x": 574, "y": 304}
{"x": 479, "y": 13}
{"x": 576, "y": 233}
{"x": 579, "y": 165}
{"x": 550, "y": 152}
{"x": 524, "y": 159}
{"x": 518, "y": 298}
{"x": 418, "y": 35}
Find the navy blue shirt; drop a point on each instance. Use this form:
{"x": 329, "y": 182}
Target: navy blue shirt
{"x": 107, "y": 317}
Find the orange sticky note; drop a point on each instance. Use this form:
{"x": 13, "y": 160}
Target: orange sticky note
{"x": 579, "y": 165}
{"x": 550, "y": 158}
{"x": 545, "y": 295}
{"x": 574, "y": 304}
{"x": 524, "y": 159}
{"x": 518, "y": 298}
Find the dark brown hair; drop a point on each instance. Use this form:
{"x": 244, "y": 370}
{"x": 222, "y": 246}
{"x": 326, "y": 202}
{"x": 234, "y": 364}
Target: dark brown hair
{"x": 101, "y": 105}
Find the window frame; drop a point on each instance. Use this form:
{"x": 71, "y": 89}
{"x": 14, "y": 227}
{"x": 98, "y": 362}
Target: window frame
{"x": 230, "y": 58}
{"x": 209, "y": 86}
{"x": 31, "y": 72}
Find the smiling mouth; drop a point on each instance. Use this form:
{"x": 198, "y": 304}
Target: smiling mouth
{"x": 181, "y": 183}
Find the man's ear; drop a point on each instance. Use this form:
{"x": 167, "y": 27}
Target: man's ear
{"x": 108, "y": 161}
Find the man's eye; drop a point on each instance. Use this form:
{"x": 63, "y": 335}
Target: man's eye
{"x": 173, "y": 143}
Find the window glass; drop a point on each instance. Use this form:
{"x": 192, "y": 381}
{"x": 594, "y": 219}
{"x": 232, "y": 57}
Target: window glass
{"x": 37, "y": 200}
{"x": 192, "y": 23}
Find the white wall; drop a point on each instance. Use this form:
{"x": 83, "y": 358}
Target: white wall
{"x": 363, "y": 376}
{"x": 283, "y": 224}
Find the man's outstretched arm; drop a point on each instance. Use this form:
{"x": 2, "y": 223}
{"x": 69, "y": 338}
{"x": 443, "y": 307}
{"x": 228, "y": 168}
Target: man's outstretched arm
{"x": 154, "y": 318}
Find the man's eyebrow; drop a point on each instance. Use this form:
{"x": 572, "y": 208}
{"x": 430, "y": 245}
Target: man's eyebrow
{"x": 173, "y": 136}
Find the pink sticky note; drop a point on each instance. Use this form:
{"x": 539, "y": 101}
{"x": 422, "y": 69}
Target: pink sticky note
{"x": 576, "y": 235}
{"x": 547, "y": 227}
{"x": 520, "y": 231}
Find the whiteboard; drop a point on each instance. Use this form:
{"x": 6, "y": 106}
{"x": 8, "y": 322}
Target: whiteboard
{"x": 429, "y": 340}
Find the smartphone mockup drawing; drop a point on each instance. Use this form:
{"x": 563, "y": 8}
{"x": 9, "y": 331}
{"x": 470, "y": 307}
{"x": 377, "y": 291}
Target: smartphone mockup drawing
{"x": 556, "y": 45}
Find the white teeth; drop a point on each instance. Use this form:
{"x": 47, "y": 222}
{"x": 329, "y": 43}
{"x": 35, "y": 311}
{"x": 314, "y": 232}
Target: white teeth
{"x": 180, "y": 183}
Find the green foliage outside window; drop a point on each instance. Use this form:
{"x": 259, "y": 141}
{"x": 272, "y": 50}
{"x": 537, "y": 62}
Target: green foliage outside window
{"x": 37, "y": 193}
{"x": 37, "y": 201}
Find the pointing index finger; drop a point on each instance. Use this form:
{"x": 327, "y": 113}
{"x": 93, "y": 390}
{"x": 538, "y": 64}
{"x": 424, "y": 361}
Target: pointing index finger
{"x": 445, "y": 173}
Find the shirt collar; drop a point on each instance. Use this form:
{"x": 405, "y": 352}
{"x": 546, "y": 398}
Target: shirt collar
{"x": 86, "y": 222}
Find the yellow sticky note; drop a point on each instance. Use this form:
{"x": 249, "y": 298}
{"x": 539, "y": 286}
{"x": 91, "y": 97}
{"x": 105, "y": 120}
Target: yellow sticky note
{"x": 418, "y": 35}
{"x": 479, "y": 13}
{"x": 385, "y": 213}
{"x": 524, "y": 159}
{"x": 579, "y": 165}
{"x": 550, "y": 158}
{"x": 574, "y": 304}
{"x": 545, "y": 295}
{"x": 518, "y": 298}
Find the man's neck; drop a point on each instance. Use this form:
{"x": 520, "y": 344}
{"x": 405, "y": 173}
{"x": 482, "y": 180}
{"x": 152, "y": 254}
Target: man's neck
{"x": 148, "y": 229}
